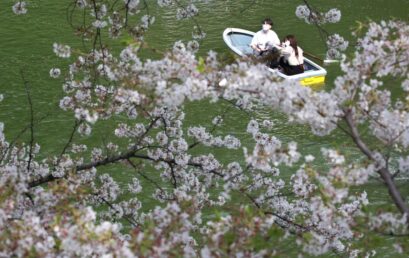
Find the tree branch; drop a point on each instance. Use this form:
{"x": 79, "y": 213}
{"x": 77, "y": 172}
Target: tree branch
{"x": 30, "y": 104}
{"x": 383, "y": 172}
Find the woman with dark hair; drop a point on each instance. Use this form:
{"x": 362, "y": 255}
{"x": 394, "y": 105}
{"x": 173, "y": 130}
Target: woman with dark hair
{"x": 292, "y": 60}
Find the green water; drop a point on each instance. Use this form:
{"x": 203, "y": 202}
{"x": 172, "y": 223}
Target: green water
{"x": 26, "y": 50}
{"x": 26, "y": 47}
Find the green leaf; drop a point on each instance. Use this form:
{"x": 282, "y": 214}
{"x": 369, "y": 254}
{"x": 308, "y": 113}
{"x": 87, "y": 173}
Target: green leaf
{"x": 201, "y": 67}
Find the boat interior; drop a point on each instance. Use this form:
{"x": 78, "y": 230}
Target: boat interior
{"x": 242, "y": 41}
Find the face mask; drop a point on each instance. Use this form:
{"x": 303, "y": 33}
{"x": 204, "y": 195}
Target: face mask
{"x": 266, "y": 27}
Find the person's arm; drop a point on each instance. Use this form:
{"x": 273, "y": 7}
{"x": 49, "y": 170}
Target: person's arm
{"x": 286, "y": 49}
{"x": 255, "y": 47}
{"x": 254, "y": 44}
{"x": 275, "y": 40}
{"x": 279, "y": 46}
{"x": 300, "y": 56}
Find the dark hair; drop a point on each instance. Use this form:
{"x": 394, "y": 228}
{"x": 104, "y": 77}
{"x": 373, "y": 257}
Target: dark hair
{"x": 293, "y": 43}
{"x": 268, "y": 21}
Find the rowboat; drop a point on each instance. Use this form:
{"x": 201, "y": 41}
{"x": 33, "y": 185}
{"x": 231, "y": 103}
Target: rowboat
{"x": 239, "y": 41}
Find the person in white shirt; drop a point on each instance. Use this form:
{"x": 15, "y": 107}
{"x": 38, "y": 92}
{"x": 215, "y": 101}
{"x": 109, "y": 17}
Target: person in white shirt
{"x": 265, "y": 40}
{"x": 292, "y": 60}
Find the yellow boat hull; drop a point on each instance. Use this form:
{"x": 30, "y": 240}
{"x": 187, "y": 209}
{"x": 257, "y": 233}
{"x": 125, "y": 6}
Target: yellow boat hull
{"x": 308, "y": 81}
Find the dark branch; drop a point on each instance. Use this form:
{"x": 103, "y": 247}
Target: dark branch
{"x": 383, "y": 172}
{"x": 30, "y": 104}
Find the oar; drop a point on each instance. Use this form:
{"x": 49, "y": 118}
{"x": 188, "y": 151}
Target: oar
{"x": 324, "y": 61}
{"x": 330, "y": 61}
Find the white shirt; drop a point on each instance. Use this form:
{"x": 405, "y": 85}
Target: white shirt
{"x": 289, "y": 55}
{"x": 264, "y": 39}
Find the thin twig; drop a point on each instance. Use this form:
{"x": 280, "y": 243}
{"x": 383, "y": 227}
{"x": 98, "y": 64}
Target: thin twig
{"x": 126, "y": 217}
{"x": 70, "y": 139}
{"x": 30, "y": 104}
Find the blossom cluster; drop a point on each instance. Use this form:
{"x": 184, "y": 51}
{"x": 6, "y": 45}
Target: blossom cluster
{"x": 20, "y": 7}
{"x": 311, "y": 16}
{"x": 336, "y": 44}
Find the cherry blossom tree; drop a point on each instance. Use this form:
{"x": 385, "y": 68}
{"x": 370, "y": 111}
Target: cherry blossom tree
{"x": 64, "y": 206}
